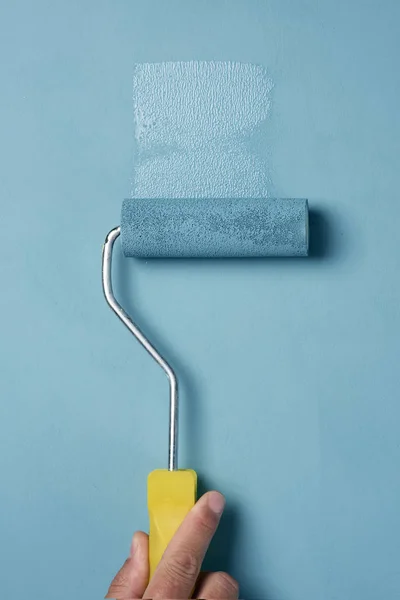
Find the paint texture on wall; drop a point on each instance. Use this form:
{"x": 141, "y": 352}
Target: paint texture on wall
{"x": 193, "y": 124}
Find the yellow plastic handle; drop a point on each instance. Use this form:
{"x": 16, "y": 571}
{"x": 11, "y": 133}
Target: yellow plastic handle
{"x": 170, "y": 496}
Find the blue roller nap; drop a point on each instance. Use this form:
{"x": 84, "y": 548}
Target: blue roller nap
{"x": 212, "y": 228}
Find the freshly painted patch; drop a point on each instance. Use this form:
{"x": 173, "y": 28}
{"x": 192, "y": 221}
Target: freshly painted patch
{"x": 193, "y": 122}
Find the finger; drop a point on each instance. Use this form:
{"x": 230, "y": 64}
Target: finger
{"x": 131, "y": 581}
{"x": 218, "y": 586}
{"x": 176, "y": 575}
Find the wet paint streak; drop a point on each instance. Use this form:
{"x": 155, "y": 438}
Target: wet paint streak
{"x": 192, "y": 123}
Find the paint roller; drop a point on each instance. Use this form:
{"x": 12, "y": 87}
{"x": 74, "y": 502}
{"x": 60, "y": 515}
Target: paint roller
{"x": 195, "y": 228}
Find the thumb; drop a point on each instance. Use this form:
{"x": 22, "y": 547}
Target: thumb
{"x": 131, "y": 581}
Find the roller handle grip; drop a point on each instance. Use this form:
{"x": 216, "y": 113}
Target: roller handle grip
{"x": 170, "y": 496}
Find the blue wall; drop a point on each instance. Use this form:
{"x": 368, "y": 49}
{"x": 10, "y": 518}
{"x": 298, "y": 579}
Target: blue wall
{"x": 289, "y": 368}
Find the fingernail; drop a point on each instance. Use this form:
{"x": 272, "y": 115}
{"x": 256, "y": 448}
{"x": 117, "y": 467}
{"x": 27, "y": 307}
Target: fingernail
{"x": 134, "y": 546}
{"x": 216, "y": 502}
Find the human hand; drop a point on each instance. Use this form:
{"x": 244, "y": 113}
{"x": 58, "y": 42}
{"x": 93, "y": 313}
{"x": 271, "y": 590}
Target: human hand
{"x": 178, "y": 573}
